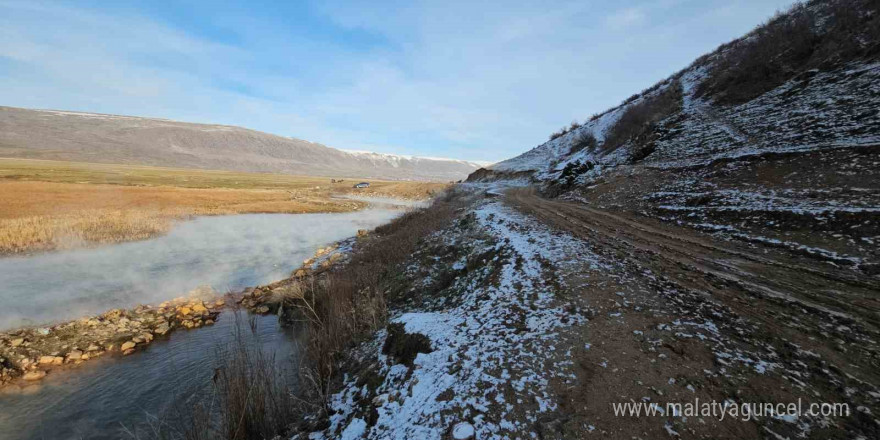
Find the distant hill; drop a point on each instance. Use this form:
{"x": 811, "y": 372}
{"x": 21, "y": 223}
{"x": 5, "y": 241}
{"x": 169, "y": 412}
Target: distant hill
{"x": 89, "y": 137}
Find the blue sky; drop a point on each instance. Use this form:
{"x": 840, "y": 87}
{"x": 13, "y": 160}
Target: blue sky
{"x": 462, "y": 79}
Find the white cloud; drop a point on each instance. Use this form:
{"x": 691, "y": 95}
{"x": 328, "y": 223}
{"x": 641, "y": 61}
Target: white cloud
{"x": 461, "y": 79}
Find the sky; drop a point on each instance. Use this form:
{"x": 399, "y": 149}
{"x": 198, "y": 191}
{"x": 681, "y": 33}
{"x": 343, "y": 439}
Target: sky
{"x": 480, "y": 81}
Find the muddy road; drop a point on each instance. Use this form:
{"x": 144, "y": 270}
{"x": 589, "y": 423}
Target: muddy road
{"x": 778, "y": 326}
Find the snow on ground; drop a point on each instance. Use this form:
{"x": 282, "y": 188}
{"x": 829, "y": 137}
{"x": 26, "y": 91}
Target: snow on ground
{"x": 813, "y": 111}
{"x": 488, "y": 365}
{"x": 547, "y": 156}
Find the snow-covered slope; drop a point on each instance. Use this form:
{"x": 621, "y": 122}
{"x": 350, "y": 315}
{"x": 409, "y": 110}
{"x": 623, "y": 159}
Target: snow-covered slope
{"x": 814, "y": 111}
{"x": 825, "y": 100}
{"x": 794, "y": 165}
{"x": 89, "y": 137}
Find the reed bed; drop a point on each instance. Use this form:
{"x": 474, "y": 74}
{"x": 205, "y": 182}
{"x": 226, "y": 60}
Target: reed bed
{"x": 44, "y": 216}
{"x": 51, "y": 205}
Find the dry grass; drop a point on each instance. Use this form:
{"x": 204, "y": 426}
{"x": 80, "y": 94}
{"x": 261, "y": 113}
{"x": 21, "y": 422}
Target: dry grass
{"x": 47, "y": 205}
{"x": 41, "y": 216}
{"x": 345, "y": 305}
{"x": 251, "y": 398}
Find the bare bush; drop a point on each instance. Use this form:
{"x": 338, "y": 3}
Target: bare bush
{"x": 566, "y": 130}
{"x": 584, "y": 140}
{"x": 640, "y": 118}
{"x": 251, "y": 398}
{"x": 819, "y": 34}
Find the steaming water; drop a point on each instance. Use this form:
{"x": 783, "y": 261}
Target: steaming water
{"x": 104, "y": 398}
{"x": 225, "y": 252}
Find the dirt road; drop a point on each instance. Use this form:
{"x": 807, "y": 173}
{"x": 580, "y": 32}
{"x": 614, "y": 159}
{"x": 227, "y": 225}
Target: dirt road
{"x": 816, "y": 323}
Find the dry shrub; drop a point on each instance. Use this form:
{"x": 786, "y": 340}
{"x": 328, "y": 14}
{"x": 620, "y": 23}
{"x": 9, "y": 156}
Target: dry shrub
{"x": 819, "y": 34}
{"x": 566, "y": 130}
{"x": 640, "y": 118}
{"x": 584, "y": 140}
{"x": 254, "y": 396}
{"x": 251, "y": 398}
{"x": 348, "y": 303}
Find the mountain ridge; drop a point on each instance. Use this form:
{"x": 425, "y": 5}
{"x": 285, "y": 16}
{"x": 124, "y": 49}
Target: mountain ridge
{"x": 108, "y": 138}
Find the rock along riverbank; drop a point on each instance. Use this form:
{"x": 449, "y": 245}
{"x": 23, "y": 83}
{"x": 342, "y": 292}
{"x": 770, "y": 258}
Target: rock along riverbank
{"x": 30, "y": 354}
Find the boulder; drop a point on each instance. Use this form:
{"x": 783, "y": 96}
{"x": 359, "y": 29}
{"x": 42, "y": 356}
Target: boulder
{"x": 34, "y": 375}
{"x": 128, "y": 345}
{"x": 112, "y": 315}
{"x": 162, "y": 328}
{"x": 46, "y": 360}
{"x": 75, "y": 355}
{"x": 16, "y": 342}
{"x": 199, "y": 309}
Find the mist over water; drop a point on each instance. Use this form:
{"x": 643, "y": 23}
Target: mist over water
{"x": 225, "y": 252}
{"x": 111, "y": 398}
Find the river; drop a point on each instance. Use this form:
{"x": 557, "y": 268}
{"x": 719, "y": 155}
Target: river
{"x": 225, "y": 252}
{"x": 104, "y": 398}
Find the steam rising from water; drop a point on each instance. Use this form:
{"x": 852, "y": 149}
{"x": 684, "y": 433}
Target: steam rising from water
{"x": 226, "y": 252}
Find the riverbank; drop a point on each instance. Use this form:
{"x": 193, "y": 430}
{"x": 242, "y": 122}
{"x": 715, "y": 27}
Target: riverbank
{"x": 29, "y": 354}
{"x": 51, "y": 205}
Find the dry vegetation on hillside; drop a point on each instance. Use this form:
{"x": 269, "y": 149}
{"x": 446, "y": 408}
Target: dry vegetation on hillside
{"x": 47, "y": 205}
{"x": 813, "y": 35}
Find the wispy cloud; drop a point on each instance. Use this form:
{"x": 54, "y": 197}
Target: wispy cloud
{"x": 625, "y": 18}
{"x": 457, "y": 79}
